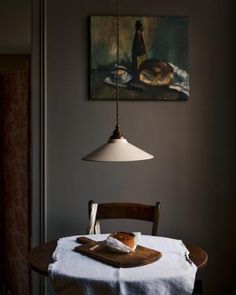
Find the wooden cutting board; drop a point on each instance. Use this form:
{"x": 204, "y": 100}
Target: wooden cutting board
{"x": 100, "y": 252}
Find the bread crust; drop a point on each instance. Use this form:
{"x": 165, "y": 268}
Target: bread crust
{"x": 156, "y": 73}
{"x": 126, "y": 238}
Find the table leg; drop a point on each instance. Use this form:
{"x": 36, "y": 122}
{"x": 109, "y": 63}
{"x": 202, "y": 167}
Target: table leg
{"x": 197, "y": 287}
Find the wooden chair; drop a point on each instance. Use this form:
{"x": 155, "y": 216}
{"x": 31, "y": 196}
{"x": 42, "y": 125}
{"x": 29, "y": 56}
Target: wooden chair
{"x": 129, "y": 211}
{"x": 134, "y": 211}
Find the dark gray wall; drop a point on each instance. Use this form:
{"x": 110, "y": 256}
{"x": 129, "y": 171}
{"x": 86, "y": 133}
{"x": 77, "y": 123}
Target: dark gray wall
{"x": 193, "y": 142}
{"x": 15, "y": 26}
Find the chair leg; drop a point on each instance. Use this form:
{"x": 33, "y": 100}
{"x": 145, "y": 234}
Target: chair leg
{"x": 197, "y": 287}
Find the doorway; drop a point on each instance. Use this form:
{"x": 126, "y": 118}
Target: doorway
{"x": 15, "y": 198}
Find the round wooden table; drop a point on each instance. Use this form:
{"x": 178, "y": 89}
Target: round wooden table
{"x": 41, "y": 256}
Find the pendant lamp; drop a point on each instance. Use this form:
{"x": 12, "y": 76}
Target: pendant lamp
{"x": 117, "y": 149}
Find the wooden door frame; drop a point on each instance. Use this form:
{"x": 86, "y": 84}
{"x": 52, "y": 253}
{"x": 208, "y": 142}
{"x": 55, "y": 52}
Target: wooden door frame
{"x": 38, "y": 136}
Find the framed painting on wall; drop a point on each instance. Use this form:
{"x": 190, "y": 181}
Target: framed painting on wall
{"x": 153, "y": 58}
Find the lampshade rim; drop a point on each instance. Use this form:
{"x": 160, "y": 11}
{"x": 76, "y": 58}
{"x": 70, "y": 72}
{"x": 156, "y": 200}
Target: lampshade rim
{"x": 116, "y": 161}
{"x": 118, "y": 150}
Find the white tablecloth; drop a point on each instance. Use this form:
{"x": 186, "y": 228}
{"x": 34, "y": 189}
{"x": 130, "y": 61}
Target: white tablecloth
{"x": 76, "y": 274}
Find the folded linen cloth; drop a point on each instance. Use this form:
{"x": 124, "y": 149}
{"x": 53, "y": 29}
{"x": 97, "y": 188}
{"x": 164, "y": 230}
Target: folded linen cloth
{"x": 180, "y": 80}
{"x": 74, "y": 274}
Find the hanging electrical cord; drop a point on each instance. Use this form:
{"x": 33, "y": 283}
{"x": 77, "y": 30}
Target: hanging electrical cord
{"x": 117, "y": 59}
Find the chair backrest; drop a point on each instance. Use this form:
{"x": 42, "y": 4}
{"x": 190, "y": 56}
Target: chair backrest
{"x": 128, "y": 211}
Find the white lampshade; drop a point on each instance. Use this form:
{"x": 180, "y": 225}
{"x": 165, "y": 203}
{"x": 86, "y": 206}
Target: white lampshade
{"x": 117, "y": 150}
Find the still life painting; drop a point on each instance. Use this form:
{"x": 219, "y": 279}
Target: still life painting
{"x": 153, "y": 58}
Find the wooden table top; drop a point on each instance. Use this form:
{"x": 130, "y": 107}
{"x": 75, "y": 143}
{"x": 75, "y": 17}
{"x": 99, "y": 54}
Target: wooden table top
{"x": 41, "y": 256}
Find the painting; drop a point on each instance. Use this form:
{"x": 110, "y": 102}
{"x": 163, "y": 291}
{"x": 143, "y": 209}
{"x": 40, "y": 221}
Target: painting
{"x": 153, "y": 58}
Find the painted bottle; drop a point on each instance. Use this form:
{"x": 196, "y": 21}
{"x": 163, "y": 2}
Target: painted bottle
{"x": 138, "y": 48}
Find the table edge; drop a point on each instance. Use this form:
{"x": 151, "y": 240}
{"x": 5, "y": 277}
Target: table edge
{"x": 193, "y": 249}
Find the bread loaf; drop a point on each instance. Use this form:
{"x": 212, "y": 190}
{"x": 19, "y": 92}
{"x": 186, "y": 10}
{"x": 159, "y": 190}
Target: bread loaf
{"x": 156, "y": 73}
{"x": 125, "y": 238}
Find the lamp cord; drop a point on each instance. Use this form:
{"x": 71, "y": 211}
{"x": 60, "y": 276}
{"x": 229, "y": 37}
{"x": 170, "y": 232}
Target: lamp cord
{"x": 117, "y": 59}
